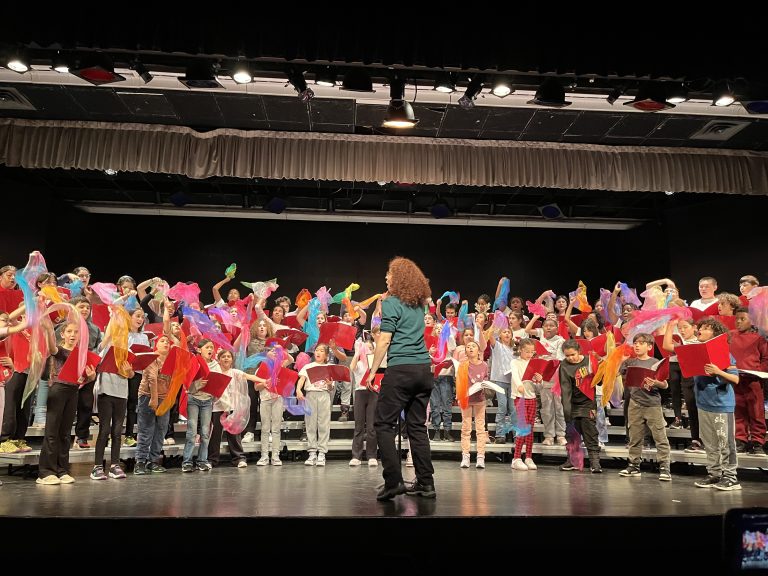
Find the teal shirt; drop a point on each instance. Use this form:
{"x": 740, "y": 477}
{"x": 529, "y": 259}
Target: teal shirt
{"x": 406, "y": 325}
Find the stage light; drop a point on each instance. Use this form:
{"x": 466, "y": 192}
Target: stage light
{"x": 179, "y": 198}
{"x": 296, "y": 79}
{"x": 276, "y": 205}
{"x": 650, "y": 98}
{"x": 241, "y": 73}
{"x": 440, "y": 209}
{"x": 199, "y": 75}
{"x": 60, "y": 64}
{"x": 502, "y": 87}
{"x": 550, "y": 93}
{"x": 18, "y": 61}
{"x": 755, "y": 106}
{"x": 399, "y": 112}
{"x": 473, "y": 89}
{"x": 445, "y": 83}
{"x": 615, "y": 94}
{"x": 96, "y": 68}
{"x": 142, "y": 71}
{"x": 326, "y": 77}
{"x": 722, "y": 95}
{"x": 551, "y": 211}
{"x": 677, "y": 94}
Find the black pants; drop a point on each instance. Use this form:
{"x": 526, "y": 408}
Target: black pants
{"x": 365, "y": 415}
{"x": 54, "y": 455}
{"x": 111, "y": 416}
{"x": 15, "y": 416}
{"x": 173, "y": 418}
{"x": 84, "y": 411}
{"x": 585, "y": 426}
{"x": 255, "y": 405}
{"x": 132, "y": 403}
{"x": 675, "y": 388}
{"x": 690, "y": 402}
{"x": 405, "y": 387}
{"x": 234, "y": 441}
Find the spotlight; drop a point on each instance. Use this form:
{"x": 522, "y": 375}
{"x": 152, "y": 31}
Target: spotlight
{"x": 550, "y": 93}
{"x": 722, "y": 95}
{"x": 241, "y": 73}
{"x": 445, "y": 83}
{"x": 473, "y": 89}
{"x": 142, "y": 71}
{"x": 615, "y": 94}
{"x": 179, "y": 198}
{"x": 755, "y": 106}
{"x": 502, "y": 87}
{"x": 97, "y": 68}
{"x": 399, "y": 112}
{"x": 326, "y": 77}
{"x": 276, "y": 205}
{"x": 110, "y": 171}
{"x": 357, "y": 81}
{"x": 677, "y": 94}
{"x": 200, "y": 75}
{"x": 440, "y": 209}
{"x": 551, "y": 212}
{"x": 650, "y": 98}
{"x": 296, "y": 79}
{"x": 60, "y": 64}
{"x": 18, "y": 62}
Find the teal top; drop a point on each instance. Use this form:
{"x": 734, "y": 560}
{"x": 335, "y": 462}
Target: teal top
{"x": 406, "y": 324}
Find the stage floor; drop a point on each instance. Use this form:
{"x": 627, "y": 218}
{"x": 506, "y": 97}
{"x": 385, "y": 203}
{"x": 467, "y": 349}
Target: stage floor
{"x": 339, "y": 491}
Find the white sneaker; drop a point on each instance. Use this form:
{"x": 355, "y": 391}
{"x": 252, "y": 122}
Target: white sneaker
{"x": 66, "y": 479}
{"x": 480, "y": 462}
{"x": 321, "y": 459}
{"x": 530, "y": 464}
{"x": 312, "y": 460}
{"x": 242, "y": 464}
{"x": 277, "y": 462}
{"x": 561, "y": 441}
{"x": 355, "y": 462}
{"x": 518, "y": 464}
{"x": 464, "y": 461}
{"x": 372, "y": 462}
{"x": 263, "y": 461}
{"x": 409, "y": 460}
{"x": 248, "y": 437}
{"x": 548, "y": 442}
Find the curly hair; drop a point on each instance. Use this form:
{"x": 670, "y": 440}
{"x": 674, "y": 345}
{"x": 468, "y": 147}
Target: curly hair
{"x": 407, "y": 282}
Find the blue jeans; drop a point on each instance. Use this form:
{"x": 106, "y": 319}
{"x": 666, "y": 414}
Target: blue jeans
{"x": 441, "y": 402}
{"x": 506, "y": 407}
{"x": 198, "y": 411}
{"x": 602, "y": 429}
{"x": 41, "y": 402}
{"x": 152, "y": 428}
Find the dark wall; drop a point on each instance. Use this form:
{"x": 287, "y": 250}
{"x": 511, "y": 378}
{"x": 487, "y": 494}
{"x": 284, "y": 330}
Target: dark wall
{"x": 25, "y": 226}
{"x": 312, "y": 254}
{"x": 725, "y": 238}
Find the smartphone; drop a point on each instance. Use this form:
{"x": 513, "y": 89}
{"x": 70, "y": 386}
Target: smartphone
{"x": 745, "y": 540}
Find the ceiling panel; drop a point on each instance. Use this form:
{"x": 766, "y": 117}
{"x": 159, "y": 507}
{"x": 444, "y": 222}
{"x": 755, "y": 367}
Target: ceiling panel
{"x": 99, "y": 102}
{"x": 195, "y": 108}
{"x": 508, "y": 119}
{"x": 332, "y": 111}
{"x": 634, "y": 125}
{"x": 147, "y": 105}
{"x": 549, "y": 123}
{"x": 592, "y": 124}
{"x": 242, "y": 111}
{"x": 286, "y": 109}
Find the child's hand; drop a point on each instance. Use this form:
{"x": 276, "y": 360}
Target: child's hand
{"x": 649, "y": 383}
{"x": 538, "y": 378}
{"x": 520, "y": 390}
{"x": 712, "y": 370}
{"x": 299, "y": 395}
{"x": 617, "y": 288}
{"x": 6, "y": 361}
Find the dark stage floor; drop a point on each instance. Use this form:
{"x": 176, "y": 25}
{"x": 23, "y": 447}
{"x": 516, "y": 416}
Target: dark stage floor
{"x": 677, "y": 515}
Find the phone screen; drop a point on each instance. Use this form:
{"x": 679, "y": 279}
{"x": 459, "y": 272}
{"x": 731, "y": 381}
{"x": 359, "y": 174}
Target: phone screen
{"x": 746, "y": 540}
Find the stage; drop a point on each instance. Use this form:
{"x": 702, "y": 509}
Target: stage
{"x": 539, "y": 509}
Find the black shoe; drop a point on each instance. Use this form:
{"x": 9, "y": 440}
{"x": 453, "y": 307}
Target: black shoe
{"x": 447, "y": 436}
{"x": 423, "y": 490}
{"x": 741, "y": 447}
{"x": 500, "y": 440}
{"x": 567, "y": 466}
{"x": 595, "y": 467}
{"x": 140, "y": 468}
{"x": 155, "y": 468}
{"x": 436, "y": 437}
{"x": 387, "y": 493}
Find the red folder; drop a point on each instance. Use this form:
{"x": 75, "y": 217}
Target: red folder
{"x": 170, "y": 362}
{"x": 198, "y": 370}
{"x": 109, "y": 364}
{"x": 142, "y": 360}
{"x": 216, "y": 384}
{"x": 20, "y": 347}
{"x": 329, "y": 373}
{"x": 291, "y": 321}
{"x": 584, "y": 344}
{"x": 636, "y": 375}
{"x": 728, "y": 321}
{"x": 293, "y": 336}
{"x": 100, "y": 315}
{"x": 578, "y": 318}
{"x": 540, "y": 348}
{"x": 140, "y": 348}
{"x": 437, "y": 368}
{"x": 377, "y": 378}
{"x": 692, "y": 357}
{"x": 272, "y": 341}
{"x": 5, "y": 373}
{"x": 598, "y": 344}
{"x": 660, "y": 344}
{"x": 546, "y": 368}
{"x": 332, "y": 318}
{"x": 155, "y": 329}
{"x": 710, "y": 310}
{"x": 286, "y": 379}
{"x": 343, "y": 334}
{"x": 618, "y": 336}
{"x": 68, "y": 371}
{"x": 10, "y": 300}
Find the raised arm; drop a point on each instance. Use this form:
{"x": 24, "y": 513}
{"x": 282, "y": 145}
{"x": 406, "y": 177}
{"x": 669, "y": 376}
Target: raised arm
{"x": 217, "y": 287}
{"x": 612, "y": 304}
{"x": 529, "y": 329}
{"x": 572, "y": 328}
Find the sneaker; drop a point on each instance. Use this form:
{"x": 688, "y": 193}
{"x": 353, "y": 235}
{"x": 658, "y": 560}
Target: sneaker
{"x": 631, "y": 471}
{"x": 155, "y": 468}
{"x": 355, "y": 462}
{"x": 140, "y": 468}
{"x": 321, "y": 459}
{"x": 409, "y": 460}
{"x": 263, "y": 461}
{"x": 727, "y": 484}
{"x": 372, "y": 462}
{"x": 8, "y": 447}
{"x": 22, "y": 445}
{"x": 204, "y": 466}
{"x": 387, "y": 493}
{"x": 98, "y": 473}
{"x": 50, "y": 480}
{"x": 561, "y": 441}
{"x": 312, "y": 460}
{"x": 248, "y": 437}
{"x": 303, "y": 437}
{"x": 447, "y": 436}
{"x": 607, "y": 421}
{"x": 518, "y": 464}
{"x": 595, "y": 467}
{"x": 67, "y": 479}
{"x": 82, "y": 443}
{"x": 567, "y": 466}
{"x": 187, "y": 467}
{"x": 741, "y": 447}
{"x": 423, "y": 490}
{"x": 664, "y": 475}
{"x": 464, "y": 461}
{"x": 276, "y": 461}
{"x": 530, "y": 464}
{"x": 695, "y": 448}
{"x": 242, "y": 464}
{"x": 344, "y": 417}
{"x": 676, "y": 424}
{"x": 480, "y": 462}
{"x": 707, "y": 482}
{"x": 500, "y": 440}
{"x": 169, "y": 442}
{"x": 115, "y": 471}
{"x": 129, "y": 441}
{"x": 436, "y": 435}
{"x": 548, "y": 442}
